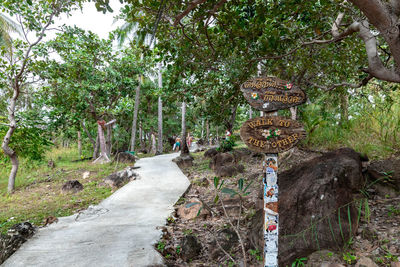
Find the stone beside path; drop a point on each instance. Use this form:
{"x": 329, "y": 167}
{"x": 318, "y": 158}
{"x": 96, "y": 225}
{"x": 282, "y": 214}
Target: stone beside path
{"x": 120, "y": 231}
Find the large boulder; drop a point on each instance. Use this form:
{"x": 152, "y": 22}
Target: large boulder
{"x": 386, "y": 172}
{"x": 118, "y": 179}
{"x": 16, "y": 236}
{"x": 72, "y": 186}
{"x": 126, "y": 157}
{"x": 210, "y": 153}
{"x": 225, "y": 165}
{"x": 192, "y": 209}
{"x": 184, "y": 161}
{"x": 242, "y": 154}
{"x": 311, "y": 197}
{"x": 191, "y": 247}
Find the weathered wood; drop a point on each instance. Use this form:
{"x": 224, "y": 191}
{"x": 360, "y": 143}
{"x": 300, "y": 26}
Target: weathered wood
{"x": 271, "y": 94}
{"x": 273, "y": 134}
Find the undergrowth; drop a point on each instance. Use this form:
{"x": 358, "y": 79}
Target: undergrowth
{"x": 38, "y": 188}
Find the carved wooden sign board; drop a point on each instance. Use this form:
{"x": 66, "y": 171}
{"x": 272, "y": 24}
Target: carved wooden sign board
{"x": 271, "y": 94}
{"x": 273, "y": 134}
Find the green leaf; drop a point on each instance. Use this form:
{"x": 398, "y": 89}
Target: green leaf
{"x": 198, "y": 213}
{"x": 191, "y": 204}
{"x": 222, "y": 183}
{"x": 216, "y": 199}
{"x": 240, "y": 184}
{"x": 229, "y": 191}
{"x": 216, "y": 181}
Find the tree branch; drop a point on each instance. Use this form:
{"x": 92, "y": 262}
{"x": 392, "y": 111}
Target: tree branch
{"x": 376, "y": 13}
{"x": 216, "y": 7}
{"x": 335, "y": 32}
{"x": 375, "y": 64}
{"x": 350, "y": 85}
{"x": 110, "y": 122}
{"x": 192, "y": 5}
{"x": 336, "y": 24}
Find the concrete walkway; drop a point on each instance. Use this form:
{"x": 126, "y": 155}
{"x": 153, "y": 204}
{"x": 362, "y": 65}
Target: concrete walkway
{"x": 120, "y": 231}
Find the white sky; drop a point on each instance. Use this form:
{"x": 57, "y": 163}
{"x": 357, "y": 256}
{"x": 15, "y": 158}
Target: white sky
{"x": 91, "y": 19}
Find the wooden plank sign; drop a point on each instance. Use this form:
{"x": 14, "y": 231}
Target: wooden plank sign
{"x": 271, "y": 94}
{"x": 272, "y": 134}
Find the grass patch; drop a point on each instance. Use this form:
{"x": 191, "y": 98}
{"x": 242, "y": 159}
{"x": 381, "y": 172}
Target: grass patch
{"x": 38, "y": 188}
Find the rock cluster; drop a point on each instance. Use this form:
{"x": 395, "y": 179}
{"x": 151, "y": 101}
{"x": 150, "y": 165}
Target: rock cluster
{"x": 118, "y": 179}
{"x": 15, "y": 237}
{"x": 72, "y": 186}
{"x": 225, "y": 165}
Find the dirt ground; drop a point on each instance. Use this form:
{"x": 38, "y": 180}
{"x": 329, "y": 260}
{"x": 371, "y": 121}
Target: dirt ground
{"x": 203, "y": 232}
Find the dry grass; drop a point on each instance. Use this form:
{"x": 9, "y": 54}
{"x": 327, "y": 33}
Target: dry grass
{"x": 38, "y": 191}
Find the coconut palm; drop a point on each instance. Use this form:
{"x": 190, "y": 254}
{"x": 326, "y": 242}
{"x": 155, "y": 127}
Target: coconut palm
{"x": 6, "y": 27}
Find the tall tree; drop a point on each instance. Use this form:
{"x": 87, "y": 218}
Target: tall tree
{"x": 160, "y": 113}
{"x": 185, "y": 149}
{"x": 33, "y": 16}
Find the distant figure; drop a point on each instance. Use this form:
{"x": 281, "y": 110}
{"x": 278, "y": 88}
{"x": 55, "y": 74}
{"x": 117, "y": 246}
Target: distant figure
{"x": 189, "y": 140}
{"x": 227, "y": 134}
{"x": 177, "y": 145}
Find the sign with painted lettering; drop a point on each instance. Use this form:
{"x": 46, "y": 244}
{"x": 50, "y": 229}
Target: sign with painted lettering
{"x": 271, "y": 94}
{"x": 272, "y": 134}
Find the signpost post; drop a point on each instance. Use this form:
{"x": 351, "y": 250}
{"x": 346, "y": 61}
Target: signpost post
{"x": 271, "y": 135}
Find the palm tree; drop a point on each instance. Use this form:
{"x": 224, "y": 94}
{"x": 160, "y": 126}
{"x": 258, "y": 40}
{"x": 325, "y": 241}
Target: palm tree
{"x": 6, "y": 27}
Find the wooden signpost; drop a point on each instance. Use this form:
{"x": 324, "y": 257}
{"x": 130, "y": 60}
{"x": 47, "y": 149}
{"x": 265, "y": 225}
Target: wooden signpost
{"x": 271, "y": 94}
{"x": 271, "y": 135}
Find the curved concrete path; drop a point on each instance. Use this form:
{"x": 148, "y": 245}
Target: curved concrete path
{"x": 120, "y": 231}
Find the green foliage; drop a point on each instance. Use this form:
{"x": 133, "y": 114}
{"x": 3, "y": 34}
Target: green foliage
{"x": 349, "y": 258}
{"x": 256, "y": 254}
{"x": 393, "y": 211}
{"x": 372, "y": 127}
{"x": 226, "y": 145}
{"x": 38, "y": 192}
{"x": 161, "y": 246}
{"x": 299, "y": 262}
{"x": 28, "y": 142}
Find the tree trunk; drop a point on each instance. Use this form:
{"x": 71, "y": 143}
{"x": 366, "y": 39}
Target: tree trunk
{"x": 160, "y": 127}
{"x": 141, "y": 137}
{"x": 250, "y": 113}
{"x": 160, "y": 119}
{"x": 96, "y": 147}
{"x": 103, "y": 158}
{"x": 293, "y": 112}
{"x": 135, "y": 115}
{"x": 185, "y": 149}
{"x": 229, "y": 124}
{"x": 148, "y": 136}
{"x": 7, "y": 138}
{"x": 207, "y": 132}
{"x": 109, "y": 140}
{"x": 153, "y": 149}
{"x": 202, "y": 128}
{"x": 79, "y": 144}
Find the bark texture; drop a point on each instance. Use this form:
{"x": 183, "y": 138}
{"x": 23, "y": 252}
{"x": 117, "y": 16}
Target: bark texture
{"x": 135, "y": 116}
{"x": 160, "y": 118}
{"x": 7, "y": 138}
{"x": 185, "y": 149}
{"x": 80, "y": 143}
